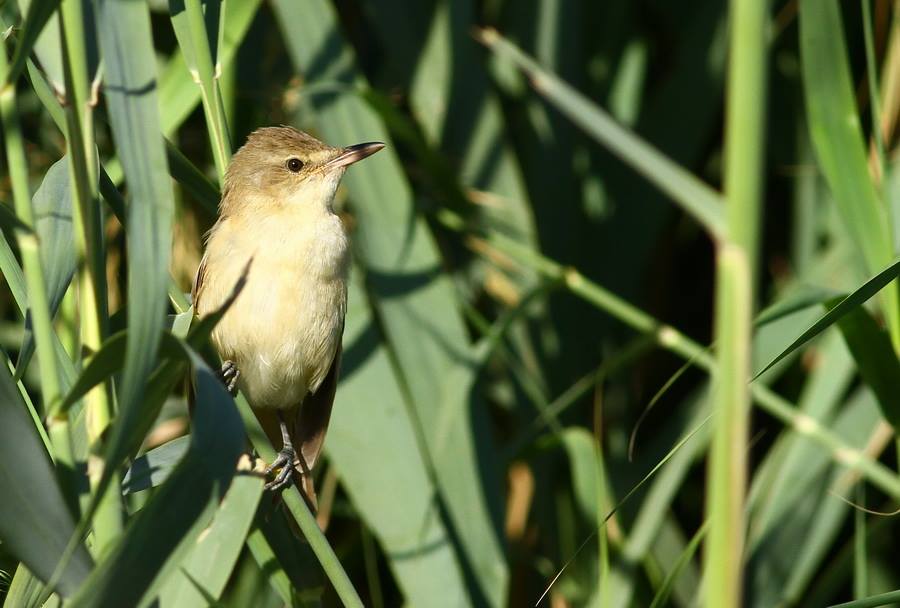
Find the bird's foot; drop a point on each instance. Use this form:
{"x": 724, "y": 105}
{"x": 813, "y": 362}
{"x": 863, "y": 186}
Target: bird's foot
{"x": 229, "y": 375}
{"x": 284, "y": 477}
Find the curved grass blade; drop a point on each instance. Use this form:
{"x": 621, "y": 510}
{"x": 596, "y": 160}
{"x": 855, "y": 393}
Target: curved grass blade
{"x": 52, "y": 204}
{"x": 882, "y": 599}
{"x": 203, "y": 573}
{"x": 37, "y": 15}
{"x": 24, "y": 590}
{"x": 165, "y": 531}
{"x": 420, "y": 551}
{"x": 131, "y": 427}
{"x": 857, "y": 298}
{"x": 665, "y": 589}
{"x": 35, "y": 521}
{"x": 105, "y": 362}
{"x": 671, "y": 453}
{"x": 838, "y": 141}
{"x": 130, "y": 69}
{"x": 875, "y": 358}
{"x": 154, "y": 467}
{"x": 271, "y": 564}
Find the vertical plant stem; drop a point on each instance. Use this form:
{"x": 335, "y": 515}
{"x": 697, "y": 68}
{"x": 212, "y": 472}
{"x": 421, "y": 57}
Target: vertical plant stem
{"x": 42, "y": 323}
{"x": 370, "y": 560}
{"x": 91, "y": 275}
{"x": 734, "y": 302}
{"x": 301, "y": 513}
{"x": 860, "y": 567}
{"x": 604, "y": 504}
{"x": 205, "y": 74}
{"x": 874, "y": 96}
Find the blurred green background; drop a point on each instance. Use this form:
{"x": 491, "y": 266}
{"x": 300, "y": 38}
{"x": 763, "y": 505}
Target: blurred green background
{"x": 525, "y": 382}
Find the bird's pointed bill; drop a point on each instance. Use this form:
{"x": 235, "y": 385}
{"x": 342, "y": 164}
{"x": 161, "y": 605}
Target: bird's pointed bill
{"x": 352, "y": 154}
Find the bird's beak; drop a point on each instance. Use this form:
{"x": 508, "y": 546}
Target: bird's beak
{"x": 352, "y": 154}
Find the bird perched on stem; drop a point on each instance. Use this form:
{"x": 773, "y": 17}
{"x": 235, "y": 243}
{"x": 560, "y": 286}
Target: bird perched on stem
{"x": 280, "y": 340}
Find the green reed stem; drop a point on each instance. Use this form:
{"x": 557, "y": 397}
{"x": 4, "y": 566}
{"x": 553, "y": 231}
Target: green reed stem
{"x": 91, "y": 275}
{"x": 205, "y": 74}
{"x": 301, "y": 513}
{"x": 671, "y": 339}
{"x": 41, "y": 320}
{"x": 734, "y": 303}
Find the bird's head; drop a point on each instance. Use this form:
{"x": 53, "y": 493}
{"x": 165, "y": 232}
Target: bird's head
{"x": 289, "y": 167}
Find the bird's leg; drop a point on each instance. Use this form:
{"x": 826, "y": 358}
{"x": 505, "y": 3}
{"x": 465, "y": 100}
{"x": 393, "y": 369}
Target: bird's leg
{"x": 285, "y": 460}
{"x": 229, "y": 375}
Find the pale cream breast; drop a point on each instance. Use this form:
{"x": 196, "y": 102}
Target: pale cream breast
{"x": 284, "y": 329}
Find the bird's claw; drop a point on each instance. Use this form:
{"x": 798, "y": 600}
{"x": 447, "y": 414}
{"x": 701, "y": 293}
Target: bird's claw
{"x": 284, "y": 478}
{"x": 229, "y": 375}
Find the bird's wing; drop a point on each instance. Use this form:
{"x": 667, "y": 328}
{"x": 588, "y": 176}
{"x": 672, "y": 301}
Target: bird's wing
{"x": 309, "y": 429}
{"x": 197, "y": 287}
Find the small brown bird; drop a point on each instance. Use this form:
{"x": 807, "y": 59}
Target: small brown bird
{"x": 281, "y": 339}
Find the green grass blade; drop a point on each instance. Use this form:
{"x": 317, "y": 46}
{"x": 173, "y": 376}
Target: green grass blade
{"x": 205, "y": 571}
{"x": 779, "y": 481}
{"x": 735, "y": 302}
{"x": 299, "y": 510}
{"x": 35, "y": 520}
{"x": 882, "y": 599}
{"x": 38, "y": 14}
{"x": 845, "y": 306}
{"x": 838, "y": 142}
{"x": 29, "y": 244}
{"x": 165, "y": 531}
{"x": 661, "y": 598}
{"x": 130, "y": 70}
{"x": 658, "y": 500}
{"x": 154, "y": 467}
{"x": 875, "y": 358}
{"x": 270, "y": 564}
{"x": 365, "y": 430}
{"x": 178, "y": 94}
{"x": 52, "y": 203}
{"x": 691, "y": 194}
{"x": 24, "y": 590}
{"x": 190, "y": 30}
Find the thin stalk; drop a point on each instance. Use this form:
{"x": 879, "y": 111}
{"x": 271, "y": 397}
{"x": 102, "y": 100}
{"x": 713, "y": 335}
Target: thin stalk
{"x": 860, "y": 557}
{"x": 604, "y": 506}
{"x": 880, "y": 164}
{"x": 91, "y": 275}
{"x": 734, "y": 304}
{"x": 694, "y": 196}
{"x": 301, "y": 513}
{"x": 42, "y": 323}
{"x": 206, "y": 77}
{"x": 874, "y": 97}
{"x": 370, "y": 561}
{"x": 672, "y": 340}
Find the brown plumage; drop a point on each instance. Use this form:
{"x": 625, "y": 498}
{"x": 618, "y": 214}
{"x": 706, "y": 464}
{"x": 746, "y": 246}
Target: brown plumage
{"x": 283, "y": 332}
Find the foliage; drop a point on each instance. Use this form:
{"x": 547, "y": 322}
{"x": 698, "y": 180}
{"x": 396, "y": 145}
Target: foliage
{"x": 599, "y": 234}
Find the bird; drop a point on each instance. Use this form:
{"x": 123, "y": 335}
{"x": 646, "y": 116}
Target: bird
{"x": 280, "y": 339}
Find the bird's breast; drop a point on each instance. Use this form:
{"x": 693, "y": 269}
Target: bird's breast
{"x": 285, "y": 327}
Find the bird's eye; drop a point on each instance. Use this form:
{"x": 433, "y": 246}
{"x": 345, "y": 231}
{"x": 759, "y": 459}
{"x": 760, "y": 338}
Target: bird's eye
{"x": 294, "y": 164}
